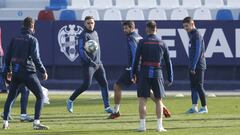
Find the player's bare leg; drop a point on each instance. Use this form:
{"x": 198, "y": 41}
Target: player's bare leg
{"x": 142, "y": 113}
{"x": 166, "y": 112}
{"x": 117, "y": 99}
{"x": 159, "y": 113}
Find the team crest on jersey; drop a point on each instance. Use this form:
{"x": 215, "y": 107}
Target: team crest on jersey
{"x": 68, "y": 40}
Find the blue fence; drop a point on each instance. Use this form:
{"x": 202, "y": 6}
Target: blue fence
{"x": 59, "y": 50}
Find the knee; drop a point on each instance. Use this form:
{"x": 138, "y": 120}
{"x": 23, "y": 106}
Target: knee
{"x": 86, "y": 85}
{"x": 117, "y": 87}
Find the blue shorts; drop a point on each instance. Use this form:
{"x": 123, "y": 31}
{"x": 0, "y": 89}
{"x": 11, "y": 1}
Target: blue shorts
{"x": 146, "y": 84}
{"x": 125, "y": 80}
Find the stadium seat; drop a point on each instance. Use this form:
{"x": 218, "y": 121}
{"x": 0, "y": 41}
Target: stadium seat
{"x": 18, "y": 14}
{"x": 46, "y": 15}
{"x": 135, "y": 14}
{"x": 102, "y": 4}
{"x": 79, "y": 4}
{"x": 69, "y": 15}
{"x": 233, "y": 4}
{"x": 123, "y": 4}
{"x": 202, "y": 14}
{"x": 90, "y": 12}
{"x": 147, "y": 3}
{"x": 169, "y": 3}
{"x": 157, "y": 14}
{"x": 224, "y": 14}
{"x": 191, "y": 3}
{"x": 214, "y": 3}
{"x": 179, "y": 14}
{"x": 41, "y": 4}
{"x": 58, "y": 4}
{"x": 112, "y": 14}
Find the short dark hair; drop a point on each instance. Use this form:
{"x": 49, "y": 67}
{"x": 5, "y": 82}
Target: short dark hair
{"x": 28, "y": 22}
{"x": 88, "y": 18}
{"x": 187, "y": 20}
{"x": 151, "y": 25}
{"x": 130, "y": 24}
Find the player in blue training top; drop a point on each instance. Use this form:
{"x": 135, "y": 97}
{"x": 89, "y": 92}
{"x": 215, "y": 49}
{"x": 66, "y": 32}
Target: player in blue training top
{"x": 197, "y": 66}
{"x": 92, "y": 66}
{"x": 151, "y": 51}
{"x": 124, "y": 80}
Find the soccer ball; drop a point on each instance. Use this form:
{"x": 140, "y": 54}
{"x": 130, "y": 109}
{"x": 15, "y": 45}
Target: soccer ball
{"x": 91, "y": 46}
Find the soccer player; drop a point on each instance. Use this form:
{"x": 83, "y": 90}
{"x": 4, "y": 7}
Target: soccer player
{"x": 197, "y": 66}
{"x": 92, "y": 66}
{"x": 24, "y": 58}
{"x": 124, "y": 80}
{"x": 151, "y": 50}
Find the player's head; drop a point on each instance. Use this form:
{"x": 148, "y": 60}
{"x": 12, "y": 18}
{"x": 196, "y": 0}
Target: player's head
{"x": 188, "y": 24}
{"x": 128, "y": 27}
{"x": 29, "y": 23}
{"x": 89, "y": 23}
{"x": 151, "y": 27}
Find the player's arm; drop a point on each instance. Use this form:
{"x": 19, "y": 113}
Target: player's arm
{"x": 197, "y": 42}
{"x": 8, "y": 57}
{"x": 136, "y": 61}
{"x": 83, "y": 54}
{"x": 35, "y": 55}
{"x": 133, "y": 48}
{"x": 168, "y": 63}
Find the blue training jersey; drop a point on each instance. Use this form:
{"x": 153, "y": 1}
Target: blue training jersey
{"x": 151, "y": 50}
{"x": 197, "y": 58}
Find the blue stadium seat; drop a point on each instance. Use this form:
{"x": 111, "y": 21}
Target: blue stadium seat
{"x": 69, "y": 15}
{"x": 224, "y": 14}
{"x": 58, "y": 4}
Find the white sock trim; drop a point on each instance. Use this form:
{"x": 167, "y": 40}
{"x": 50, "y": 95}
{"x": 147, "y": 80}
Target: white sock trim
{"x": 116, "y": 108}
{"x": 36, "y": 122}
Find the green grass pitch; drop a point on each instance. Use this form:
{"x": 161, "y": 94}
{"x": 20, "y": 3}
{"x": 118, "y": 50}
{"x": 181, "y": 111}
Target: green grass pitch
{"x": 89, "y": 119}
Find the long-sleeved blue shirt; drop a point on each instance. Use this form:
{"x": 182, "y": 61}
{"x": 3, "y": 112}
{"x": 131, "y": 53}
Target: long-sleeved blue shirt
{"x": 89, "y": 59}
{"x": 23, "y": 54}
{"x": 152, "y": 51}
{"x": 197, "y": 59}
{"x": 132, "y": 42}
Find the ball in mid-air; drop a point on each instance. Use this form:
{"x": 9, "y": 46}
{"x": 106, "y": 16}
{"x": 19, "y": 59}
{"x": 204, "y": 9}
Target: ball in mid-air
{"x": 91, "y": 46}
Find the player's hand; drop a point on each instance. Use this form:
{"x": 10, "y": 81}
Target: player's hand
{"x": 193, "y": 72}
{"x": 9, "y": 76}
{"x": 45, "y": 76}
{"x": 134, "y": 79}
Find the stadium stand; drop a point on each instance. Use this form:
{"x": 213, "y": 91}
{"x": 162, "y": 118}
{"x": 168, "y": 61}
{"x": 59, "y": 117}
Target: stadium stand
{"x": 147, "y": 3}
{"x": 69, "y": 15}
{"x": 91, "y": 12}
{"x": 214, "y": 3}
{"x": 46, "y": 15}
{"x": 202, "y": 14}
{"x": 135, "y": 14}
{"x": 79, "y": 4}
{"x": 169, "y": 3}
{"x": 224, "y": 14}
{"x": 179, "y": 14}
{"x": 191, "y": 3}
{"x": 102, "y": 4}
{"x": 17, "y": 14}
{"x": 57, "y": 4}
{"x": 157, "y": 14}
{"x": 233, "y": 4}
{"x": 26, "y": 3}
{"x": 112, "y": 14}
{"x": 123, "y": 4}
